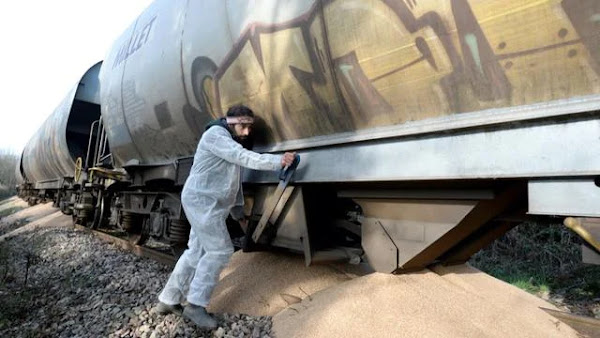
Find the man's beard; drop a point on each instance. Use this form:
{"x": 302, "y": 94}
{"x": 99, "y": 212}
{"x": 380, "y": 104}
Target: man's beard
{"x": 246, "y": 141}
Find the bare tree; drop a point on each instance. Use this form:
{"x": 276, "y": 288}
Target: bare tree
{"x": 8, "y": 165}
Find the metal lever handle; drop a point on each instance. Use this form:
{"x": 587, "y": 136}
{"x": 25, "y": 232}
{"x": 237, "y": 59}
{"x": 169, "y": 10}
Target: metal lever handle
{"x": 283, "y": 173}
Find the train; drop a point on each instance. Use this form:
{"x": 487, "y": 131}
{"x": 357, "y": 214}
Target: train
{"x": 427, "y": 129}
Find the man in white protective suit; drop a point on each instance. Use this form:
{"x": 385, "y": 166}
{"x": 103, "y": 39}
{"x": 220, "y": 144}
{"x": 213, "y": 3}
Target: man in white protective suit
{"x": 212, "y": 191}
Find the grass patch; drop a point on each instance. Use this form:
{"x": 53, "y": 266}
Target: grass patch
{"x": 544, "y": 259}
{"x": 5, "y": 200}
{"x": 529, "y": 284}
{"x": 6, "y": 196}
{"x": 9, "y": 211}
{"x": 530, "y": 281}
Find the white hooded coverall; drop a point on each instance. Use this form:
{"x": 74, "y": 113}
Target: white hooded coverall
{"x": 212, "y": 190}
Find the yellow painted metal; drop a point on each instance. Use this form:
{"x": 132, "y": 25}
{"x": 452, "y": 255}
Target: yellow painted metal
{"x": 576, "y": 225}
{"x": 116, "y": 175}
{"x": 78, "y": 167}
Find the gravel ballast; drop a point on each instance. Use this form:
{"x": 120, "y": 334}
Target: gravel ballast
{"x": 61, "y": 282}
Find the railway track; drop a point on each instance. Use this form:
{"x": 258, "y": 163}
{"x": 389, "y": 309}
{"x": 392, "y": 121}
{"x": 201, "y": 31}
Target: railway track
{"x": 125, "y": 244}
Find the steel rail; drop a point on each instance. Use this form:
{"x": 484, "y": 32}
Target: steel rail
{"x": 138, "y": 250}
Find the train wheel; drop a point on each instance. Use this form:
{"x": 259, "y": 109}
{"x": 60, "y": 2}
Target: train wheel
{"x": 102, "y": 211}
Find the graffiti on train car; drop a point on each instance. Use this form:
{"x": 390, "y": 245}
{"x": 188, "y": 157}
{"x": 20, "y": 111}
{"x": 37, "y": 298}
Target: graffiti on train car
{"x": 139, "y": 39}
{"x": 585, "y": 16}
{"x": 355, "y": 64}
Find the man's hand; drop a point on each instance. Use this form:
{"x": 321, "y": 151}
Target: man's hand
{"x": 287, "y": 159}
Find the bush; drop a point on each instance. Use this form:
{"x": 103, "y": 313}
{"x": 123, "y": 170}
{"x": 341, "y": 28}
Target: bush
{"x": 8, "y": 165}
{"x": 541, "y": 251}
{"x": 544, "y": 259}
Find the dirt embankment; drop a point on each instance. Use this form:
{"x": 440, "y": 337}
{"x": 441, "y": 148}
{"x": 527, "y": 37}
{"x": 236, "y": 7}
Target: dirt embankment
{"x": 23, "y": 216}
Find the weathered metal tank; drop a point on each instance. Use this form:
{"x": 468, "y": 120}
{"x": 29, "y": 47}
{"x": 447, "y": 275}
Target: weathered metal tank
{"x": 19, "y": 170}
{"x": 427, "y": 118}
{"x": 333, "y": 72}
{"x": 50, "y": 154}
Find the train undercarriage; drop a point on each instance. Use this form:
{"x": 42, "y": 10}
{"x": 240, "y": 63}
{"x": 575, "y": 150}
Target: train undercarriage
{"x": 394, "y": 227}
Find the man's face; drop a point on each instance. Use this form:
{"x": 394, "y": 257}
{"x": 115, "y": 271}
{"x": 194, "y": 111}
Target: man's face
{"x": 242, "y": 130}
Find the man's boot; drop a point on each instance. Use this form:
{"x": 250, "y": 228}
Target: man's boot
{"x": 199, "y": 316}
{"x": 165, "y": 309}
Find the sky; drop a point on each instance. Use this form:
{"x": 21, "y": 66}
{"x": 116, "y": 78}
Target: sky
{"x": 46, "y": 47}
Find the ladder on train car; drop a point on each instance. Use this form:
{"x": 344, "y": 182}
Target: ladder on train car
{"x": 101, "y": 151}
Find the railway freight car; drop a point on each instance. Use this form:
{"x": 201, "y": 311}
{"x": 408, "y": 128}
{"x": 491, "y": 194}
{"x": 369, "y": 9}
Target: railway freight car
{"x": 46, "y": 166}
{"x": 426, "y": 128}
